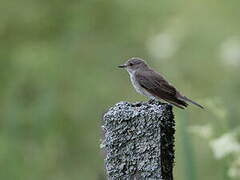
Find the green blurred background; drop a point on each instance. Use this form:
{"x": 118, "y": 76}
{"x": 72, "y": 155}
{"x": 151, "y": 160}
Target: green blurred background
{"x": 58, "y": 76}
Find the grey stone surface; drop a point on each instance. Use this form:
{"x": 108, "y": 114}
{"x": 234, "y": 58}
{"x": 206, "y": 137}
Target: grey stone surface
{"x": 139, "y": 141}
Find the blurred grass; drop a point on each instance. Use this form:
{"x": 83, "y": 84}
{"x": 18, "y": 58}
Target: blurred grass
{"x": 58, "y": 75}
{"x": 187, "y": 149}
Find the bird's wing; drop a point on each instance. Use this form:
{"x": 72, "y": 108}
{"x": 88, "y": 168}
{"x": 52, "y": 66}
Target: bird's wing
{"x": 155, "y": 84}
{"x": 159, "y": 87}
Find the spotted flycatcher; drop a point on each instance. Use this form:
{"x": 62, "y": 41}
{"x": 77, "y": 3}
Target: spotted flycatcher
{"x": 149, "y": 83}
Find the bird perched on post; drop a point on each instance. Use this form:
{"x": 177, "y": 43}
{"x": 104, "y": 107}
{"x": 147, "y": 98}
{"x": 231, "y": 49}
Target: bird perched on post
{"x": 152, "y": 84}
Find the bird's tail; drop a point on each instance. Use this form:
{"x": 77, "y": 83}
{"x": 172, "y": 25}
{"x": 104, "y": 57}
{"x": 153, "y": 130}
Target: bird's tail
{"x": 184, "y": 98}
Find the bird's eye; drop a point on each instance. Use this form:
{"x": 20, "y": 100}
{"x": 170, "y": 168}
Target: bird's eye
{"x": 130, "y": 64}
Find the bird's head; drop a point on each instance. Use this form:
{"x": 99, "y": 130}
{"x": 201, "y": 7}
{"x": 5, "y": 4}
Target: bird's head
{"x": 133, "y": 64}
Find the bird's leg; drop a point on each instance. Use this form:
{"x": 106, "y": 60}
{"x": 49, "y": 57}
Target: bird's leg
{"x": 151, "y": 101}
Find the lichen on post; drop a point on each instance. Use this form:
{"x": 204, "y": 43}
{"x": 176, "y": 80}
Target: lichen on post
{"x": 138, "y": 141}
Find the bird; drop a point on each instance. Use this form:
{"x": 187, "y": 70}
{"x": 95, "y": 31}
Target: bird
{"x": 154, "y": 85}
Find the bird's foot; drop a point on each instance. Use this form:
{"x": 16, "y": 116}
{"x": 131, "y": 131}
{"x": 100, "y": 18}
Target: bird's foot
{"x": 155, "y": 101}
{"x": 137, "y": 104}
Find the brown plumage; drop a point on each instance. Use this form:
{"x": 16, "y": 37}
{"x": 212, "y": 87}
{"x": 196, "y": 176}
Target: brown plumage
{"x": 159, "y": 87}
{"x": 153, "y": 85}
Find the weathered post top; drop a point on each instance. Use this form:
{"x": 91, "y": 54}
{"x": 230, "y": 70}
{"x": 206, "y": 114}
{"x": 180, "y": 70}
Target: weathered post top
{"x": 139, "y": 141}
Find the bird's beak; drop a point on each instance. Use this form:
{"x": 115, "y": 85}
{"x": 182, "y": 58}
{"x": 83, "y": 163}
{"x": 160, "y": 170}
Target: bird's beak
{"x": 122, "y": 66}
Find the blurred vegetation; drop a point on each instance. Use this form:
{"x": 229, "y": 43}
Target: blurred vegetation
{"x": 58, "y": 75}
